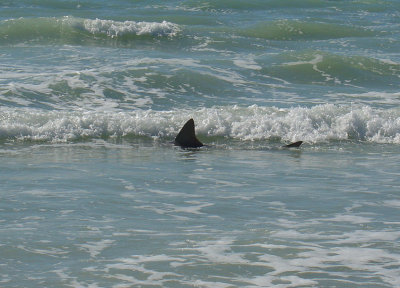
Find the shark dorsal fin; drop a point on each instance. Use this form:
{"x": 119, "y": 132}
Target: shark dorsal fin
{"x": 186, "y": 138}
{"x": 294, "y": 145}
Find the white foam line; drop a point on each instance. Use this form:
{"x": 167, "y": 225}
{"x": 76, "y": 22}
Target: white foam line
{"x": 392, "y": 203}
{"x": 95, "y": 248}
{"x": 52, "y": 252}
{"x": 315, "y": 124}
{"x": 219, "y": 251}
{"x": 366, "y": 237}
{"x": 114, "y": 28}
{"x": 72, "y": 281}
{"x": 314, "y": 63}
{"x": 4, "y": 278}
{"x": 136, "y": 263}
{"x": 172, "y": 193}
{"x": 247, "y": 63}
{"x": 207, "y": 284}
{"x": 171, "y": 209}
{"x": 354, "y": 219}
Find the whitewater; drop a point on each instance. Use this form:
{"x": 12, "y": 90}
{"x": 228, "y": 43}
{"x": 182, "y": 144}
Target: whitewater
{"x": 93, "y": 193}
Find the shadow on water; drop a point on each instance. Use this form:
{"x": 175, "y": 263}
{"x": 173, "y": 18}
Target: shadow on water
{"x": 294, "y": 153}
{"x": 188, "y": 154}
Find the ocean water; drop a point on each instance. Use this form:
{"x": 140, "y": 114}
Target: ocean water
{"x": 93, "y": 193}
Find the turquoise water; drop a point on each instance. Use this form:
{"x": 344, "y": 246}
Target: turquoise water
{"x": 93, "y": 193}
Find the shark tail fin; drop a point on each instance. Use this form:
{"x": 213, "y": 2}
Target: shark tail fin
{"x": 294, "y": 144}
{"x": 186, "y": 138}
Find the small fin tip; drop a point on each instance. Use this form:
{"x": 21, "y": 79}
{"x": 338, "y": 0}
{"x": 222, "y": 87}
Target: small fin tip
{"x": 294, "y": 144}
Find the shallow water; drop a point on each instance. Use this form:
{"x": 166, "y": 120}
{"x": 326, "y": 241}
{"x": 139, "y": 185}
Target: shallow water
{"x": 93, "y": 193}
{"x": 102, "y": 215}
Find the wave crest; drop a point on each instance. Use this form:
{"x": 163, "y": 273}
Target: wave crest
{"x": 289, "y": 30}
{"x": 118, "y": 29}
{"x": 77, "y": 30}
{"x": 320, "y": 123}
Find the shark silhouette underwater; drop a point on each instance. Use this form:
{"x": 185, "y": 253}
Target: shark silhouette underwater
{"x": 186, "y": 138}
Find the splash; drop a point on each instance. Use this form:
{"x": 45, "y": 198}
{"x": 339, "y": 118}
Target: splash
{"x": 321, "y": 123}
{"x": 118, "y": 29}
{"x": 72, "y": 30}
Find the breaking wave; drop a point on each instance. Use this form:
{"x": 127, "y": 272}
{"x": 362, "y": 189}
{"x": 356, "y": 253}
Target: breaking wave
{"x": 320, "y": 123}
{"x": 77, "y": 30}
{"x": 120, "y": 29}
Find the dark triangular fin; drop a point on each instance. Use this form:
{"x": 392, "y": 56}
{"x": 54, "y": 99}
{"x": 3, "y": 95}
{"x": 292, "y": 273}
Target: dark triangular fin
{"x": 294, "y": 145}
{"x": 186, "y": 138}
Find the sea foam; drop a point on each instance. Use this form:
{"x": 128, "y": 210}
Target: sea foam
{"x": 320, "y": 123}
{"x": 114, "y": 28}
{"x": 70, "y": 29}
